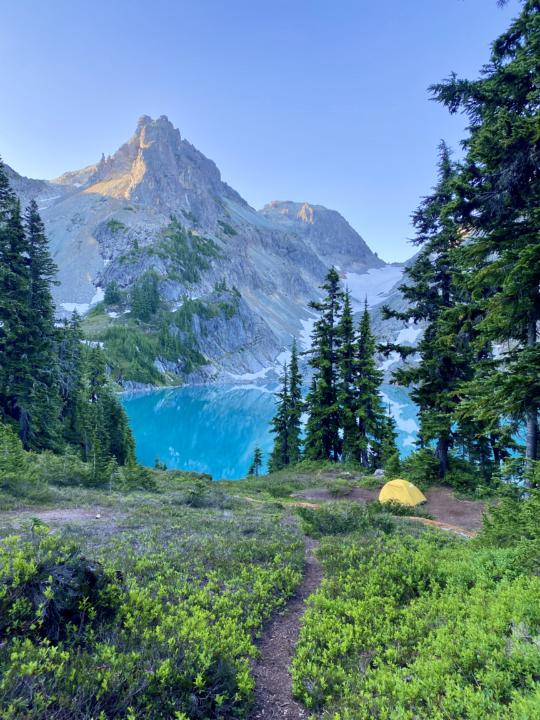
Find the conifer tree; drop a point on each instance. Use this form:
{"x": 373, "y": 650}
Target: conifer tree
{"x": 286, "y": 423}
{"x": 70, "y": 350}
{"x": 280, "y": 456}
{"x": 29, "y": 394}
{"x": 296, "y": 407}
{"x": 348, "y": 383}
{"x": 323, "y": 440}
{"x": 113, "y": 295}
{"x": 51, "y": 390}
{"x": 28, "y": 391}
{"x": 500, "y": 201}
{"x": 105, "y": 430}
{"x": 14, "y": 291}
{"x": 431, "y": 291}
{"x": 145, "y": 298}
{"x": 256, "y": 465}
{"x": 14, "y": 464}
{"x": 41, "y": 395}
{"x": 388, "y": 453}
{"x": 371, "y": 418}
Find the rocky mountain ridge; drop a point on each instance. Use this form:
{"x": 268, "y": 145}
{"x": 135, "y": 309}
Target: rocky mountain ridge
{"x": 234, "y": 283}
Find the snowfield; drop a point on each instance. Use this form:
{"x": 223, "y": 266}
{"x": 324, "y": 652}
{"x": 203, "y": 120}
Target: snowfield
{"x": 374, "y": 285}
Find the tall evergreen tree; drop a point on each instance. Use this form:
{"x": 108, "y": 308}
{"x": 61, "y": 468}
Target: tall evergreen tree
{"x": 348, "y": 383}
{"x": 280, "y": 456}
{"x": 500, "y": 205}
{"x": 296, "y": 407}
{"x": 145, "y": 298}
{"x": 371, "y": 418}
{"x": 388, "y": 449}
{"x": 105, "y": 430}
{"x": 286, "y": 423}
{"x": 41, "y": 395}
{"x": 14, "y": 290}
{"x": 28, "y": 380}
{"x": 431, "y": 291}
{"x": 256, "y": 465}
{"x": 51, "y": 389}
{"x": 323, "y": 440}
{"x": 70, "y": 350}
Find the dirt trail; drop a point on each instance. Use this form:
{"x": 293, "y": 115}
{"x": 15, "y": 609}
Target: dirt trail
{"x": 443, "y": 526}
{"x": 273, "y": 691}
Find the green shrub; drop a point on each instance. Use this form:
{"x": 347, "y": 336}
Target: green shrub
{"x": 463, "y": 476}
{"x": 18, "y": 475}
{"x": 392, "y": 467}
{"x": 340, "y": 518}
{"x": 340, "y": 487}
{"x": 137, "y": 477}
{"x": 115, "y": 226}
{"x": 396, "y": 508}
{"x": 227, "y": 228}
{"x": 188, "y": 253}
{"x": 172, "y": 636}
{"x": 66, "y": 469}
{"x": 421, "y": 468}
{"x": 426, "y": 627}
{"x": 513, "y": 523}
{"x": 279, "y": 489}
{"x": 48, "y": 590}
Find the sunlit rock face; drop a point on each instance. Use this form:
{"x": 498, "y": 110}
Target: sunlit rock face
{"x": 326, "y": 232}
{"x": 104, "y": 220}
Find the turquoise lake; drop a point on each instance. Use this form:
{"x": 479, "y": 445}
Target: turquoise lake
{"x": 215, "y": 428}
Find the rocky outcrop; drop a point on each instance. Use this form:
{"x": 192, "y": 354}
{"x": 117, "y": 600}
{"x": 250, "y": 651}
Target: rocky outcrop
{"x": 328, "y": 234}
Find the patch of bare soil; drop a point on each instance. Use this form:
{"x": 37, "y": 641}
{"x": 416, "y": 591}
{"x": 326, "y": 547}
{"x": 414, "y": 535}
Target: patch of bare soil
{"x": 357, "y": 493}
{"x": 441, "y": 504}
{"x": 57, "y": 516}
{"x": 273, "y": 685}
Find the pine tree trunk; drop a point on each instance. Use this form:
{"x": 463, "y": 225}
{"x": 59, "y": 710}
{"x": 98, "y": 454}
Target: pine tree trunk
{"x": 442, "y": 454}
{"x": 497, "y": 456}
{"x": 531, "y": 444}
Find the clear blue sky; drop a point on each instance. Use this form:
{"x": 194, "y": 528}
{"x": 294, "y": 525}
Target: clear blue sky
{"x": 321, "y": 100}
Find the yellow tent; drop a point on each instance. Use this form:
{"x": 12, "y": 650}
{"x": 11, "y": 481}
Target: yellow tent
{"x": 401, "y": 491}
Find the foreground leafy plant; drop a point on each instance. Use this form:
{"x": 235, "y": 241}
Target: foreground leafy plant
{"x": 420, "y": 627}
{"x": 167, "y": 629}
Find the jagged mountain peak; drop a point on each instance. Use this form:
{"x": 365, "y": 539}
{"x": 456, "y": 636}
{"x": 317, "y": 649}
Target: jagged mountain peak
{"x": 155, "y": 168}
{"x": 111, "y": 222}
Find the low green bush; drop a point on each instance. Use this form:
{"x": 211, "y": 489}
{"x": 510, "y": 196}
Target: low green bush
{"x": 396, "y": 508}
{"x": 420, "y": 628}
{"x": 340, "y": 518}
{"x": 421, "y": 468}
{"x": 341, "y": 487}
{"x": 18, "y": 474}
{"x": 50, "y": 591}
{"x": 66, "y": 469}
{"x": 392, "y": 467}
{"x": 279, "y": 489}
{"x": 160, "y": 624}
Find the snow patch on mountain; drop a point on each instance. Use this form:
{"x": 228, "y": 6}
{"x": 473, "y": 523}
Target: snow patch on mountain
{"x": 409, "y": 335}
{"x": 373, "y": 285}
{"x": 405, "y": 424}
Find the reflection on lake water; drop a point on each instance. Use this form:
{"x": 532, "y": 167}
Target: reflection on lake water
{"x": 215, "y": 428}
